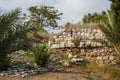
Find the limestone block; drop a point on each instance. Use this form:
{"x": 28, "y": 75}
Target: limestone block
{"x": 63, "y": 44}
{"x": 49, "y": 42}
{"x": 69, "y": 35}
{"x": 99, "y": 58}
{"x": 95, "y": 50}
{"x": 82, "y": 54}
{"x": 64, "y": 33}
{"x": 111, "y": 57}
{"x": 87, "y": 35}
{"x": 103, "y": 54}
{"x": 83, "y": 30}
{"x": 63, "y": 29}
{"x": 98, "y": 31}
{"x": 78, "y": 33}
{"x": 82, "y": 44}
{"x": 55, "y": 46}
{"x": 98, "y": 44}
{"x": 98, "y": 53}
{"x": 74, "y": 34}
{"x": 59, "y": 36}
{"x": 55, "y": 36}
{"x": 91, "y": 37}
{"x": 71, "y": 44}
{"x": 94, "y": 30}
{"x": 89, "y": 30}
{"x": 82, "y": 50}
{"x": 88, "y": 44}
{"x": 61, "y": 39}
{"x": 88, "y": 54}
{"x": 101, "y": 50}
{"x": 57, "y": 41}
{"x": 93, "y": 54}
{"x": 105, "y": 57}
{"x": 88, "y": 58}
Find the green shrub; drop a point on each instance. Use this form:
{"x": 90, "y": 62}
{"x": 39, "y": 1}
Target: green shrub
{"x": 29, "y": 66}
{"x": 82, "y": 63}
{"x": 76, "y": 42}
{"x": 4, "y": 61}
{"x": 12, "y": 35}
{"x": 41, "y": 55}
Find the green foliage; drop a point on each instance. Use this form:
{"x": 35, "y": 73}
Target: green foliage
{"x": 44, "y": 16}
{"x": 41, "y": 55}
{"x": 82, "y": 63}
{"x": 12, "y": 34}
{"x": 28, "y": 66}
{"x": 94, "y": 18}
{"x": 76, "y": 41}
{"x": 111, "y": 27}
{"x": 4, "y": 61}
{"x": 115, "y": 9}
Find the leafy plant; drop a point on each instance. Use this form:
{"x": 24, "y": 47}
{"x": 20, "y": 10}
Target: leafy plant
{"x": 41, "y": 55}
{"x": 76, "y": 41}
{"x": 111, "y": 27}
{"x": 112, "y": 33}
{"x": 44, "y": 16}
{"x": 4, "y": 61}
{"x": 12, "y": 35}
{"x": 82, "y": 63}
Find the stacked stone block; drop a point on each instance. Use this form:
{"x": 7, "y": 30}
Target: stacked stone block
{"x": 88, "y": 47}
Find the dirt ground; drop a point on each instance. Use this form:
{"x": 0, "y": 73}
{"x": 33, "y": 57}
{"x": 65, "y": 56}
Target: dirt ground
{"x": 69, "y": 74}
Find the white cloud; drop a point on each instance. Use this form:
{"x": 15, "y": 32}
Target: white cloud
{"x": 74, "y": 10}
{"x": 12, "y": 4}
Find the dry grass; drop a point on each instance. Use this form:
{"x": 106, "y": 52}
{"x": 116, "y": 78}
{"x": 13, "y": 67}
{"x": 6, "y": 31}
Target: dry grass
{"x": 39, "y": 36}
{"x": 108, "y": 72}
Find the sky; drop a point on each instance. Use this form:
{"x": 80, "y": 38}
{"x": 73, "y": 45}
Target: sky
{"x": 73, "y": 10}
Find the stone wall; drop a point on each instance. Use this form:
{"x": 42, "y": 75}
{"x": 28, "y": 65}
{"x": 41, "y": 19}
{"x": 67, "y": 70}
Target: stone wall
{"x": 98, "y": 55}
{"x": 86, "y": 36}
{"x": 88, "y": 48}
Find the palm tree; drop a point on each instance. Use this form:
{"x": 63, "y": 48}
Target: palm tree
{"x": 112, "y": 32}
{"x": 12, "y": 35}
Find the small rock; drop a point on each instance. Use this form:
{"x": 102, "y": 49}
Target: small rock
{"x": 17, "y": 74}
{"x": 2, "y": 74}
{"x": 23, "y": 76}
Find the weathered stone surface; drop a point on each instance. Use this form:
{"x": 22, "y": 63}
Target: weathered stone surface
{"x": 97, "y": 52}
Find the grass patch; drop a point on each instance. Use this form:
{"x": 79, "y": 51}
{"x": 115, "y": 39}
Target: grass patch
{"x": 108, "y": 72}
{"x": 82, "y": 63}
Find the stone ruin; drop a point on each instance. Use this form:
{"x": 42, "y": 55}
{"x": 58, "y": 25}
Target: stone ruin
{"x": 88, "y": 47}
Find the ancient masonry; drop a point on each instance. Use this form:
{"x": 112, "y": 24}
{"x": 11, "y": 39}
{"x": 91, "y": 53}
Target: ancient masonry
{"x": 87, "y": 48}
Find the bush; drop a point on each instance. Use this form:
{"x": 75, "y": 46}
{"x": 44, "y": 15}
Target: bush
{"x": 82, "y": 63}
{"x": 76, "y": 42}
{"x": 41, "y": 55}
{"x": 4, "y": 61}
